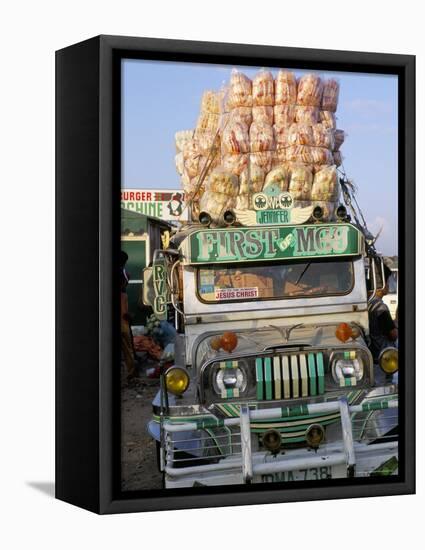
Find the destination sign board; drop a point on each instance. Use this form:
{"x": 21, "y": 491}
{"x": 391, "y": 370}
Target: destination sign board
{"x": 209, "y": 246}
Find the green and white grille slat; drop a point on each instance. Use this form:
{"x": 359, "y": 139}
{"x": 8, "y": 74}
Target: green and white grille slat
{"x": 290, "y": 376}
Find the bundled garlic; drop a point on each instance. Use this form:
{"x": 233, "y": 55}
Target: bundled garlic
{"x": 263, "y": 115}
{"x": 300, "y": 134}
{"x": 285, "y": 88}
{"x": 284, "y": 114}
{"x": 325, "y": 185}
{"x": 261, "y": 137}
{"x": 235, "y": 138}
{"x": 306, "y": 114}
{"x": 240, "y": 91}
{"x": 330, "y": 95}
{"x": 310, "y": 89}
{"x": 263, "y": 88}
{"x": 278, "y": 176}
{"x": 300, "y": 182}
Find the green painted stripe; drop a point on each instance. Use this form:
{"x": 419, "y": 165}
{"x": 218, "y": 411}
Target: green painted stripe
{"x": 210, "y": 423}
{"x": 229, "y": 393}
{"x": 268, "y": 378}
{"x": 374, "y": 406}
{"x": 277, "y": 376}
{"x": 387, "y": 468}
{"x": 294, "y": 411}
{"x": 320, "y": 373}
{"x": 217, "y": 443}
{"x": 228, "y": 364}
{"x": 350, "y": 381}
{"x": 312, "y": 374}
{"x": 259, "y": 378}
{"x": 296, "y": 419}
{"x": 292, "y": 429}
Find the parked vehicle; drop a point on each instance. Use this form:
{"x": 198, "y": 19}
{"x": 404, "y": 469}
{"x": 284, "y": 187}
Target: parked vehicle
{"x": 273, "y": 377}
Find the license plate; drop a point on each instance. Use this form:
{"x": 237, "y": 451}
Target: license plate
{"x": 322, "y": 472}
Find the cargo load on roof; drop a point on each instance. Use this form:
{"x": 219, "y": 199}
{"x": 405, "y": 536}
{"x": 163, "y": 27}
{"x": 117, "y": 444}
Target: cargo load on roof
{"x": 274, "y": 135}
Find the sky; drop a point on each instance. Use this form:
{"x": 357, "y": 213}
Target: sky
{"x": 161, "y": 98}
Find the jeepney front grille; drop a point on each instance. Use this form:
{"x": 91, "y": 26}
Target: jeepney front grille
{"x": 289, "y": 376}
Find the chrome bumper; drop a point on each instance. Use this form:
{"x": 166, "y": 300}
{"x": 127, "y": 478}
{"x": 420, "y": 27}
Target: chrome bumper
{"x": 352, "y": 458}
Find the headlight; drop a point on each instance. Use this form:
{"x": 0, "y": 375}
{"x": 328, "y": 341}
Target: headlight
{"x": 230, "y": 379}
{"x": 347, "y": 368}
{"x": 388, "y": 360}
{"x": 177, "y": 380}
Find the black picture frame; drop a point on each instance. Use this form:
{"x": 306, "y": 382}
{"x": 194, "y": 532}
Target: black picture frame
{"x": 87, "y": 246}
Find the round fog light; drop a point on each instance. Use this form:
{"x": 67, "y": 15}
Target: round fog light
{"x": 318, "y": 213}
{"x": 177, "y": 380}
{"x": 314, "y": 435}
{"x": 272, "y": 440}
{"x": 388, "y": 360}
{"x": 204, "y": 218}
{"x": 229, "y": 217}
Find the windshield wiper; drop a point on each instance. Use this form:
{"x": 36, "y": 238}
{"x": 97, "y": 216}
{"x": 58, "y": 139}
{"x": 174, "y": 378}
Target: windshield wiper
{"x": 302, "y": 273}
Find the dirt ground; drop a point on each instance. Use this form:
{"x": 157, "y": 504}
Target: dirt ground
{"x": 138, "y": 450}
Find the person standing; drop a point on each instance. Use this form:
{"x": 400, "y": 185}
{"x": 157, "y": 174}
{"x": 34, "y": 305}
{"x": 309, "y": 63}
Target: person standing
{"x": 383, "y": 331}
{"x": 127, "y": 350}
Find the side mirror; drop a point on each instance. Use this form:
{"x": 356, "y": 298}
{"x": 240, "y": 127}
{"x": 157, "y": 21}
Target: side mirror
{"x": 376, "y": 273}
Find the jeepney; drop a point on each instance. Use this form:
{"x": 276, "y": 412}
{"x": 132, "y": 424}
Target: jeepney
{"x": 273, "y": 379}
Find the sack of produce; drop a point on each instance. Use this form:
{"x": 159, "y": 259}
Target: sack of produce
{"x": 182, "y": 138}
{"x": 325, "y": 185}
{"x": 306, "y": 114}
{"x": 241, "y": 114}
{"x": 221, "y": 181}
{"x": 190, "y": 147}
{"x": 208, "y": 121}
{"x": 279, "y": 158}
{"x": 337, "y": 158}
{"x": 300, "y": 182}
{"x": 339, "y": 136}
{"x": 328, "y": 119}
{"x": 263, "y": 88}
{"x": 321, "y": 155}
{"x": 261, "y": 137}
{"x": 299, "y": 154}
{"x": 235, "y": 164}
{"x": 210, "y": 102}
{"x": 284, "y": 114}
{"x": 207, "y": 140}
{"x": 310, "y": 89}
{"x": 207, "y": 163}
{"x": 263, "y": 160}
{"x": 281, "y": 136}
{"x": 323, "y": 136}
{"x": 278, "y": 176}
{"x": 300, "y": 134}
{"x": 235, "y": 138}
{"x": 330, "y": 95}
{"x": 263, "y": 114}
{"x": 285, "y": 88}
{"x": 251, "y": 179}
{"x": 240, "y": 91}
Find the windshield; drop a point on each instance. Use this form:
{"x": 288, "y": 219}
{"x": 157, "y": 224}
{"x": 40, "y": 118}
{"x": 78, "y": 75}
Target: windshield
{"x": 252, "y": 282}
